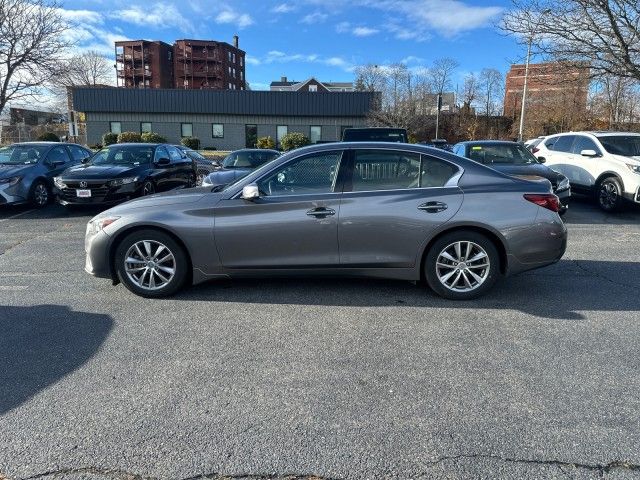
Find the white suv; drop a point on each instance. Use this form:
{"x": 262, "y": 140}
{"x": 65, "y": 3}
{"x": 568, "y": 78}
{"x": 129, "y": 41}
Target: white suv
{"x": 604, "y": 163}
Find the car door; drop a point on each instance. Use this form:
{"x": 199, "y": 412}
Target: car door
{"x": 559, "y": 155}
{"x": 162, "y": 174}
{"x": 294, "y": 222}
{"x": 587, "y": 167}
{"x": 56, "y": 161}
{"x": 394, "y": 201}
{"x": 182, "y": 168}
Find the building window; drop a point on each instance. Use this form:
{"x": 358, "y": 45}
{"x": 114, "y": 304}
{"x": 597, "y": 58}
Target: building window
{"x": 234, "y": 73}
{"x": 229, "y": 53}
{"x": 241, "y": 75}
{"x": 251, "y": 135}
{"x": 145, "y": 127}
{"x": 229, "y": 71}
{"x": 115, "y": 127}
{"x": 186, "y": 129}
{"x": 313, "y": 88}
{"x": 315, "y": 133}
{"x": 281, "y": 131}
{"x": 241, "y": 61}
{"x": 234, "y": 58}
{"x": 217, "y": 130}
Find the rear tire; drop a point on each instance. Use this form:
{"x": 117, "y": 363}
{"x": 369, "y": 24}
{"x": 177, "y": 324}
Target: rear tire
{"x": 462, "y": 265}
{"x": 609, "y": 194}
{"x": 39, "y": 195}
{"x": 151, "y": 264}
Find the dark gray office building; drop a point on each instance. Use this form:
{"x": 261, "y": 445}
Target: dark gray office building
{"x": 226, "y": 120}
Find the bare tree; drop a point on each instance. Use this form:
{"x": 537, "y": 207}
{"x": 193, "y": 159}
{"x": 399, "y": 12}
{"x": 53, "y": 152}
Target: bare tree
{"x": 87, "y": 68}
{"x": 441, "y": 74}
{"x": 370, "y": 78}
{"x": 490, "y": 87}
{"x": 600, "y": 35}
{"x": 469, "y": 90}
{"x": 31, "y": 42}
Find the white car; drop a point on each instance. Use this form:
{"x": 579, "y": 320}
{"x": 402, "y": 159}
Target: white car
{"x": 606, "y": 164}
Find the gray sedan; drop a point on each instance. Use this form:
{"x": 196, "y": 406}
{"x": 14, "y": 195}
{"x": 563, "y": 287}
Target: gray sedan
{"x": 361, "y": 209}
{"x": 239, "y": 164}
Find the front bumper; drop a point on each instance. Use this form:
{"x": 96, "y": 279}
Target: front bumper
{"x": 97, "y": 261}
{"x": 10, "y": 195}
{"x": 100, "y": 195}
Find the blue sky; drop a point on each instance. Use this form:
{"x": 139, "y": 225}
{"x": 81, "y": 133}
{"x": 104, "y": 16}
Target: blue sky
{"x": 304, "y": 38}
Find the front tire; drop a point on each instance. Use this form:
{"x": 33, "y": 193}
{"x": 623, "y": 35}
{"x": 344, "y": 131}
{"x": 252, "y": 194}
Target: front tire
{"x": 610, "y": 194}
{"x": 462, "y": 265}
{"x": 39, "y": 195}
{"x": 148, "y": 188}
{"x": 151, "y": 264}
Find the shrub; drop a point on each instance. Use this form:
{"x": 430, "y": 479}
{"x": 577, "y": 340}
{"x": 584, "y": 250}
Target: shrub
{"x": 48, "y": 137}
{"x": 109, "y": 138}
{"x": 191, "y": 142}
{"x": 294, "y": 140}
{"x": 152, "y": 137}
{"x": 95, "y": 147}
{"x": 129, "y": 137}
{"x": 266, "y": 142}
{"x": 209, "y": 148}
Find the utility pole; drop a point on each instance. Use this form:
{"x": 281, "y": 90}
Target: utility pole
{"x": 438, "y": 107}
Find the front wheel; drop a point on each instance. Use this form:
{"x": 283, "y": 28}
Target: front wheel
{"x": 39, "y": 195}
{"x": 151, "y": 264}
{"x": 610, "y": 194}
{"x": 462, "y": 265}
{"x": 148, "y": 188}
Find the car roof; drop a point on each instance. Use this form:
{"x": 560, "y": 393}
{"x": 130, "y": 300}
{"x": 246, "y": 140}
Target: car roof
{"x": 134, "y": 144}
{"x": 489, "y": 142}
{"x": 38, "y": 144}
{"x": 256, "y": 150}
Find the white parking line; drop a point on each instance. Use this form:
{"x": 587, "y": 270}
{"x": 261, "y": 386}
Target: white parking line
{"x": 17, "y": 215}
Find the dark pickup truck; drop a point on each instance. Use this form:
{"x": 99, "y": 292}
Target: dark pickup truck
{"x": 375, "y": 134}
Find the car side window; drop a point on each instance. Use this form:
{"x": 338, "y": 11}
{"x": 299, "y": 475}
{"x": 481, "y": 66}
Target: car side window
{"x": 78, "y": 153}
{"x": 161, "y": 152}
{"x": 174, "y": 154}
{"x": 435, "y": 172}
{"x": 58, "y": 154}
{"x": 312, "y": 174}
{"x": 584, "y": 143}
{"x": 459, "y": 150}
{"x": 564, "y": 143}
{"x": 385, "y": 170}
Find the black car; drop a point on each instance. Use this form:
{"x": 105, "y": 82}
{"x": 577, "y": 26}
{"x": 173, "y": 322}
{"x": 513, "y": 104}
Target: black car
{"x": 515, "y": 159}
{"x": 204, "y": 165}
{"x": 440, "y": 143}
{"x": 27, "y": 169}
{"x": 375, "y": 134}
{"x": 239, "y": 164}
{"x": 123, "y": 171}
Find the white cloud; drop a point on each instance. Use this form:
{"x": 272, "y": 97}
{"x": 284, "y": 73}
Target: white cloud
{"x": 364, "y": 31}
{"x": 160, "y": 15}
{"x": 343, "y": 27}
{"x": 277, "y": 56}
{"x": 80, "y": 16}
{"x": 283, "y": 8}
{"x": 228, "y": 15}
{"x": 315, "y": 17}
{"x": 250, "y": 60}
{"x": 412, "y": 59}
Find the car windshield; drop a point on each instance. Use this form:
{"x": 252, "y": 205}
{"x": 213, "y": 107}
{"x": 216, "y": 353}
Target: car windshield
{"x": 193, "y": 155}
{"x": 22, "y": 154}
{"x": 248, "y": 159}
{"x": 116, "y": 155}
{"x": 625, "y": 145}
{"x": 507, "y": 153}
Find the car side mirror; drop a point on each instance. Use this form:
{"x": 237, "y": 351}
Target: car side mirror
{"x": 589, "y": 153}
{"x": 85, "y": 160}
{"x": 542, "y": 159}
{"x": 250, "y": 192}
{"x": 163, "y": 162}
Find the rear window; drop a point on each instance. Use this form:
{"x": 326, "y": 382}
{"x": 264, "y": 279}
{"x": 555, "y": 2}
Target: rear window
{"x": 507, "y": 153}
{"x": 560, "y": 144}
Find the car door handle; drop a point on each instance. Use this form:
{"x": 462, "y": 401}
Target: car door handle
{"x": 433, "y": 207}
{"x": 321, "y": 212}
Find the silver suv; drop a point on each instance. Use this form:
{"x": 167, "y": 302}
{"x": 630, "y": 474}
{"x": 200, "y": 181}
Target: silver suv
{"x": 606, "y": 164}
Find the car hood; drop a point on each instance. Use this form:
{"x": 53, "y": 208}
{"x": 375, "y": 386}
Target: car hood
{"x": 538, "y": 170}
{"x": 633, "y": 160}
{"x": 88, "y": 171}
{"x": 7, "y": 171}
{"x": 174, "y": 197}
{"x": 228, "y": 175}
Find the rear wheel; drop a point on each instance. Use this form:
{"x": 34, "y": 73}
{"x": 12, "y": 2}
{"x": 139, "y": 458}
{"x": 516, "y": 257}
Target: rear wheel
{"x": 39, "y": 195}
{"x": 462, "y": 265}
{"x": 610, "y": 194}
{"x": 151, "y": 263}
{"x": 148, "y": 188}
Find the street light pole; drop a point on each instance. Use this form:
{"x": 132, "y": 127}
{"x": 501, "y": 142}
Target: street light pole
{"x": 524, "y": 89}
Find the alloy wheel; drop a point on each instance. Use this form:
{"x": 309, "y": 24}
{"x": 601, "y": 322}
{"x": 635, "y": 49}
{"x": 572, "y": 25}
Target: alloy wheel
{"x": 462, "y": 266}
{"x": 40, "y": 195}
{"x": 200, "y": 178}
{"x": 608, "y": 195}
{"x": 148, "y": 189}
{"x": 149, "y": 264}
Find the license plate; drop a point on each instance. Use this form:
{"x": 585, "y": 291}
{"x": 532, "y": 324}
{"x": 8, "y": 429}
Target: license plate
{"x": 83, "y": 193}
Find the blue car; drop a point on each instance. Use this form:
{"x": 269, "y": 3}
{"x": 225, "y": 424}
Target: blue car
{"x": 27, "y": 170}
{"x": 239, "y": 164}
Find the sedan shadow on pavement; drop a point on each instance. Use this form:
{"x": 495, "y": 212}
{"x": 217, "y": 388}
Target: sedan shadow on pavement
{"x": 561, "y": 291}
{"x": 52, "y": 211}
{"x": 40, "y": 345}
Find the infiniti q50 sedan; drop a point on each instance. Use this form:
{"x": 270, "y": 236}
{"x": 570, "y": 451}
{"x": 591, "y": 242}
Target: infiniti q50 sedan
{"x": 359, "y": 209}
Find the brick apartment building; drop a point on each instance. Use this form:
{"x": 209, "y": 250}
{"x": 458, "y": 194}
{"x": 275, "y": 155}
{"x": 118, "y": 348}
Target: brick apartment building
{"x": 549, "y": 84}
{"x": 187, "y": 64}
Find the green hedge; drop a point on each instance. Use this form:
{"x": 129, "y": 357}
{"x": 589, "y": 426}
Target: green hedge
{"x": 48, "y": 137}
{"x": 266, "y": 142}
{"x": 152, "y": 137}
{"x": 129, "y": 137}
{"x": 191, "y": 142}
{"x": 109, "y": 138}
{"x": 294, "y": 140}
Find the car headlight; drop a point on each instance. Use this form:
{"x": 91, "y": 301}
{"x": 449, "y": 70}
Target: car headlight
{"x": 97, "y": 224}
{"x": 57, "y": 181}
{"x": 122, "y": 181}
{"x": 564, "y": 184}
{"x": 206, "y": 181}
{"x": 633, "y": 168}
{"x": 9, "y": 181}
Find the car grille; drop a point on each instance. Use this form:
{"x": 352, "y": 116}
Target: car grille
{"x": 99, "y": 191}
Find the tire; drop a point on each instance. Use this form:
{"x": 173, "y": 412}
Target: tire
{"x": 148, "y": 188}
{"x": 609, "y": 194}
{"x": 200, "y": 176}
{"x": 149, "y": 275}
{"x": 39, "y": 195}
{"x": 460, "y": 283}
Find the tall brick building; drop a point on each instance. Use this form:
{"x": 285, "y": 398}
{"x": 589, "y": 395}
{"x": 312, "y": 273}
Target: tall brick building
{"x": 187, "y": 64}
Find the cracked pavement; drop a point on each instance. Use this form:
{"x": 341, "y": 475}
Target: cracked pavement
{"x": 319, "y": 379}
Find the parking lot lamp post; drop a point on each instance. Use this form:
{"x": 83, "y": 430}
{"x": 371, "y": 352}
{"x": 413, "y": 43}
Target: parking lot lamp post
{"x": 526, "y": 74}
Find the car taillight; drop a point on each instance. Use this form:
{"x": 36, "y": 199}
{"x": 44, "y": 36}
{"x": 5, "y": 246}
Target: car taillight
{"x": 546, "y": 200}
{"x": 535, "y": 150}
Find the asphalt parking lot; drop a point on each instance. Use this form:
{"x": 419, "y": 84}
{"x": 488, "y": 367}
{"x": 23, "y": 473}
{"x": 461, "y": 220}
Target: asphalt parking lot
{"x": 319, "y": 378}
